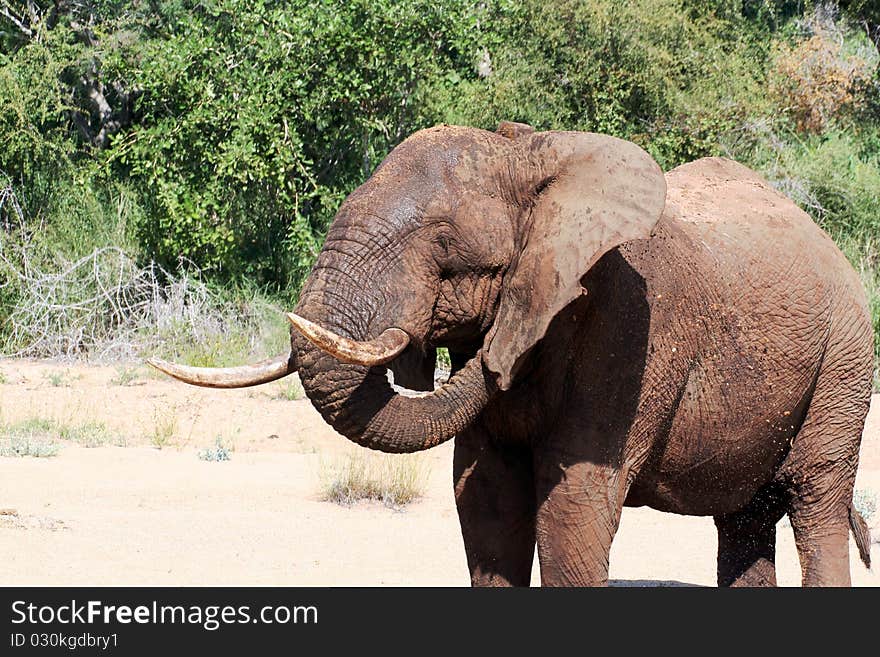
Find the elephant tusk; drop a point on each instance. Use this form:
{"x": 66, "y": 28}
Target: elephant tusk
{"x": 379, "y": 351}
{"x": 228, "y": 377}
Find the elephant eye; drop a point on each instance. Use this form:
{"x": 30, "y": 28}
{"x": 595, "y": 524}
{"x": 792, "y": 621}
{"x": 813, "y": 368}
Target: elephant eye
{"x": 443, "y": 242}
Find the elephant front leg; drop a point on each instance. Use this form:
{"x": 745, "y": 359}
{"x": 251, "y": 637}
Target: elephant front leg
{"x": 579, "y": 507}
{"x": 494, "y": 493}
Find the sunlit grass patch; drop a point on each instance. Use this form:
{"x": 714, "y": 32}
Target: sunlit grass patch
{"x": 290, "y": 389}
{"x": 39, "y": 434}
{"x": 33, "y": 437}
{"x": 164, "y": 427}
{"x": 27, "y": 446}
{"x": 394, "y": 480}
{"x": 126, "y": 375}
{"x": 59, "y": 379}
{"x": 86, "y": 434}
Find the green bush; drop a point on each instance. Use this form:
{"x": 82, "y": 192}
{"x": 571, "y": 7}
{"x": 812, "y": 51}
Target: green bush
{"x": 666, "y": 75}
{"x": 257, "y": 118}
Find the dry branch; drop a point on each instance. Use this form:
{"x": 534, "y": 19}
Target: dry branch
{"x": 104, "y": 306}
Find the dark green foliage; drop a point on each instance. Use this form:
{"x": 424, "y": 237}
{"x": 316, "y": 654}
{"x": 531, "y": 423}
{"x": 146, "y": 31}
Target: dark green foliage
{"x": 258, "y": 118}
{"x": 243, "y": 124}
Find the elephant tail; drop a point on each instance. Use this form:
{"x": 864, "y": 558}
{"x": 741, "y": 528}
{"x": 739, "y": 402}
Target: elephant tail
{"x": 861, "y": 534}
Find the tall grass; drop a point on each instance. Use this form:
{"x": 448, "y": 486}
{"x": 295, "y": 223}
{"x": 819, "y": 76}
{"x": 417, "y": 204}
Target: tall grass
{"x": 393, "y": 480}
{"x": 866, "y": 259}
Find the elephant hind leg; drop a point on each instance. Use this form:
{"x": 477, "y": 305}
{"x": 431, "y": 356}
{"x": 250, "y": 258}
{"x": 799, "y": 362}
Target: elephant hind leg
{"x": 823, "y": 548}
{"x": 820, "y": 518}
{"x": 820, "y": 472}
{"x": 747, "y": 541}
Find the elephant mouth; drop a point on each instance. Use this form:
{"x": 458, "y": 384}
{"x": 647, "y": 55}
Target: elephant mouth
{"x": 413, "y": 365}
{"x": 348, "y": 383}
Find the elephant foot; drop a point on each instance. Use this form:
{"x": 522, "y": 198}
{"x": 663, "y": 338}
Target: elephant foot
{"x": 821, "y": 469}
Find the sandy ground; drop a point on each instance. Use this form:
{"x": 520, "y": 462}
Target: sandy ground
{"x": 130, "y": 513}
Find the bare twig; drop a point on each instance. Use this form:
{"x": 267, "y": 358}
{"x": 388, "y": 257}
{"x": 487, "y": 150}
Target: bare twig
{"x": 106, "y": 306}
{"x": 18, "y": 21}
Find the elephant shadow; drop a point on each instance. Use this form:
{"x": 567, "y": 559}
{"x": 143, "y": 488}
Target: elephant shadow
{"x": 652, "y": 583}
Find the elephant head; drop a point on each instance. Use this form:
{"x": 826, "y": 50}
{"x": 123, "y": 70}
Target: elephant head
{"x": 461, "y": 238}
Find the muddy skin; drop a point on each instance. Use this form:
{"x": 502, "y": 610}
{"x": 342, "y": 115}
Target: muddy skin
{"x": 692, "y": 342}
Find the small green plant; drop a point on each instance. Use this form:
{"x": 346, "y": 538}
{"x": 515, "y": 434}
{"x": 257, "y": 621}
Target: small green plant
{"x": 3, "y": 379}
{"x": 290, "y": 390}
{"x": 33, "y": 426}
{"x": 164, "y": 427}
{"x": 59, "y": 379}
{"x": 392, "y": 480}
{"x": 125, "y": 375}
{"x": 47, "y": 430}
{"x": 219, "y": 452}
{"x": 28, "y": 446}
{"x": 88, "y": 434}
{"x": 31, "y": 437}
{"x": 865, "y": 502}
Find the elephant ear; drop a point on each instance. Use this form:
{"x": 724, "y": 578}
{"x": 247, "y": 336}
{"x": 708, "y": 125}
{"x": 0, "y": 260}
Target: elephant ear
{"x": 591, "y": 194}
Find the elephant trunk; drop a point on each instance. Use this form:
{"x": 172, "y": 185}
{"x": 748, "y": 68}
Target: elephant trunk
{"x": 359, "y": 402}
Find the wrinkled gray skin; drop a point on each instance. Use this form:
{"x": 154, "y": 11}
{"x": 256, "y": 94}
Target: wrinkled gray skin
{"x": 690, "y": 342}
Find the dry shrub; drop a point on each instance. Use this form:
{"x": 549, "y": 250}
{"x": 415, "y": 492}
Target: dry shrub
{"x": 394, "y": 480}
{"x": 817, "y": 79}
{"x": 98, "y": 304}
{"x": 106, "y": 306}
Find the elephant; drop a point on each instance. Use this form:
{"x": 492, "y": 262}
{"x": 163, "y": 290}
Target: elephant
{"x": 690, "y": 341}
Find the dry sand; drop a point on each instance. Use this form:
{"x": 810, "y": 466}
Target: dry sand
{"x": 128, "y": 513}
